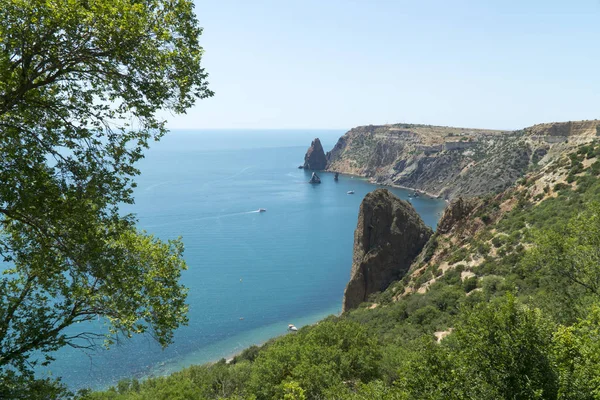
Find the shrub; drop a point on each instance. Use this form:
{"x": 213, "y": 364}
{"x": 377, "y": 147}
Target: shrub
{"x": 498, "y": 241}
{"x": 470, "y": 283}
{"x": 458, "y": 255}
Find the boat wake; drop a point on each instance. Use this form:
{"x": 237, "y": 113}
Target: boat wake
{"x": 208, "y": 217}
{"x": 157, "y": 185}
{"x": 237, "y": 173}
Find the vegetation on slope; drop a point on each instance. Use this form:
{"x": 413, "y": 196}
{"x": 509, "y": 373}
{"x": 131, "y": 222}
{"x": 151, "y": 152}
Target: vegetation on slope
{"x": 509, "y": 309}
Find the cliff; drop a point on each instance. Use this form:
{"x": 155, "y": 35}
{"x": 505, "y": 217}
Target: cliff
{"x": 315, "y": 156}
{"x": 449, "y": 162}
{"x": 389, "y": 235}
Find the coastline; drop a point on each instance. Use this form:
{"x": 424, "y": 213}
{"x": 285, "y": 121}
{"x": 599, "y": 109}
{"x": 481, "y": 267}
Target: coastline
{"x": 233, "y": 346}
{"x": 372, "y": 181}
{"x": 235, "y": 342}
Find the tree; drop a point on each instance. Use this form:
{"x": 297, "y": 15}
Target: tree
{"x": 577, "y": 357}
{"x": 318, "y": 360}
{"x": 568, "y": 261}
{"x": 82, "y": 85}
{"x": 498, "y": 350}
{"x": 504, "y": 349}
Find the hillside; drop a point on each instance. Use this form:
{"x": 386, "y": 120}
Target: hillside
{"x": 502, "y": 303}
{"x": 447, "y": 161}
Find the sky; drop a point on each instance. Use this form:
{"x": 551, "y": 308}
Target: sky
{"x": 336, "y": 64}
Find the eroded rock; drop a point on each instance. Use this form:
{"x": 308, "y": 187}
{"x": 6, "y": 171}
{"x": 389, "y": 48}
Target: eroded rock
{"x": 315, "y": 157}
{"x": 388, "y": 237}
{"x": 314, "y": 178}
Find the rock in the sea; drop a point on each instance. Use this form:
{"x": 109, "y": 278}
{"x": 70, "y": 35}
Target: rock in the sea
{"x": 315, "y": 156}
{"x": 336, "y": 176}
{"x": 314, "y": 178}
{"x": 389, "y": 236}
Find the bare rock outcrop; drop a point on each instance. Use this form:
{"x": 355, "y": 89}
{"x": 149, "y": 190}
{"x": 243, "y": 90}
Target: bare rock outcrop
{"x": 314, "y": 178}
{"x": 389, "y": 236}
{"x": 315, "y": 157}
{"x": 456, "y": 211}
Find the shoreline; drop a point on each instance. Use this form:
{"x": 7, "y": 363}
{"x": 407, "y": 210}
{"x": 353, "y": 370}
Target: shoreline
{"x": 236, "y": 345}
{"x": 394, "y": 185}
{"x": 263, "y": 335}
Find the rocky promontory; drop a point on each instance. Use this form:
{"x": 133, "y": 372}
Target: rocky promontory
{"x": 451, "y": 162}
{"x": 388, "y": 237}
{"x": 315, "y": 157}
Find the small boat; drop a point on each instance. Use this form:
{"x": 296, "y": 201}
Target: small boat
{"x": 262, "y": 209}
{"x": 292, "y": 328}
{"x": 350, "y": 192}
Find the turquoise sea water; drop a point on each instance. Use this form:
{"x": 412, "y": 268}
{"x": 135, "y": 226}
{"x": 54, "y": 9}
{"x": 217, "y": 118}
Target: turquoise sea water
{"x": 250, "y": 274}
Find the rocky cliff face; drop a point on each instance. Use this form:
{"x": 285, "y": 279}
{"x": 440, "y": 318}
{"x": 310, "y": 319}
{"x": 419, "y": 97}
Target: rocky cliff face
{"x": 449, "y": 162}
{"x": 315, "y": 156}
{"x": 456, "y": 212}
{"x": 388, "y": 237}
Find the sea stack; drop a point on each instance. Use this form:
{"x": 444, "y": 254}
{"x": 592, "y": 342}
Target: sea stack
{"x": 336, "y": 176}
{"x": 389, "y": 236}
{"x": 314, "y": 178}
{"x": 315, "y": 157}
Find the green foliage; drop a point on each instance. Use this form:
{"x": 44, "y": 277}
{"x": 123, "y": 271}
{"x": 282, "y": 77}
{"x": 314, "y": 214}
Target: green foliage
{"x": 569, "y": 255}
{"x": 430, "y": 248}
{"x": 82, "y": 85}
{"x": 293, "y": 391}
{"x": 502, "y": 348}
{"x": 498, "y": 350}
{"x": 577, "y": 356}
{"x": 24, "y": 387}
{"x": 317, "y": 359}
{"x": 498, "y": 241}
{"x": 459, "y": 255}
{"x": 470, "y": 284}
{"x": 595, "y": 168}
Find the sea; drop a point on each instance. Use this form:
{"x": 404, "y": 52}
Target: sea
{"x": 250, "y": 273}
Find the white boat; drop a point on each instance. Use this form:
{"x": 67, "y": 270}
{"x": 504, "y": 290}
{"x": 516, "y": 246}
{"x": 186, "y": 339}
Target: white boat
{"x": 292, "y": 328}
{"x": 262, "y": 209}
{"x": 350, "y": 192}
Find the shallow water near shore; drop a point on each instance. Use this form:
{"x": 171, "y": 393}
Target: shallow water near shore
{"x": 250, "y": 274}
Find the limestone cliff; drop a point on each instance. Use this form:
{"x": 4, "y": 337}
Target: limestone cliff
{"x": 449, "y": 162}
{"x": 315, "y": 156}
{"x": 389, "y": 235}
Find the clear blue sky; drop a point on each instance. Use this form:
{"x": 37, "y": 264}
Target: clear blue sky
{"x": 340, "y": 63}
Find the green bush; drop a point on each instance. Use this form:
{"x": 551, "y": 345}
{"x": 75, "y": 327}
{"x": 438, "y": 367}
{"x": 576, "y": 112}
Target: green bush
{"x": 459, "y": 255}
{"x": 470, "y": 283}
{"x": 561, "y": 186}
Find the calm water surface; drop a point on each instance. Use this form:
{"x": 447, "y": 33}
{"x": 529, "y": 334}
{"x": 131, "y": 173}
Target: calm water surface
{"x": 250, "y": 274}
